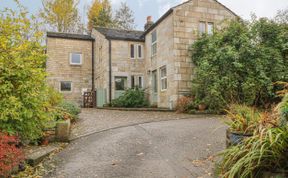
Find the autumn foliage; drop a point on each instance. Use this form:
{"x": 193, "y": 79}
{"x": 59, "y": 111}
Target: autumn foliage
{"x": 10, "y": 154}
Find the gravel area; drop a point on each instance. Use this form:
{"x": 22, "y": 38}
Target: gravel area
{"x": 97, "y": 120}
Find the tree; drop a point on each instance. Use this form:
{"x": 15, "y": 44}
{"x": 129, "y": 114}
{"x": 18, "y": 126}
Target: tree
{"x": 124, "y": 17}
{"x": 282, "y": 16}
{"x": 100, "y": 14}
{"x": 24, "y": 105}
{"x": 61, "y": 15}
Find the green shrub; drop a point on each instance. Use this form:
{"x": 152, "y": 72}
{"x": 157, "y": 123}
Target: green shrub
{"x": 24, "y": 103}
{"x": 68, "y": 109}
{"x": 132, "y": 98}
{"x": 240, "y": 64}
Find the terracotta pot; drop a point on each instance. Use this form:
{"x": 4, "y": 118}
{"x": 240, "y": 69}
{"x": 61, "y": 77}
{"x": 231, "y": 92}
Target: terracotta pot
{"x": 45, "y": 141}
{"x": 202, "y": 107}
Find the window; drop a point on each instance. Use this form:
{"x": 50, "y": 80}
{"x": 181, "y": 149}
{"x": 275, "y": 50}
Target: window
{"x": 154, "y": 43}
{"x": 163, "y": 74}
{"x": 202, "y": 28}
{"x": 140, "y": 82}
{"x": 120, "y": 83}
{"x": 137, "y": 81}
{"x": 132, "y": 81}
{"x": 210, "y": 28}
{"x": 75, "y": 58}
{"x": 140, "y": 51}
{"x": 65, "y": 86}
{"x": 132, "y": 51}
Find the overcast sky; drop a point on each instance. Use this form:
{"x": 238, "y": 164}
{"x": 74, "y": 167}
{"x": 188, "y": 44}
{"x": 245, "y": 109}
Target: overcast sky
{"x": 156, "y": 8}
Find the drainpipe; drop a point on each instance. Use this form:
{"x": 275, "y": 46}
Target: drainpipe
{"x": 93, "y": 75}
{"x": 110, "y": 71}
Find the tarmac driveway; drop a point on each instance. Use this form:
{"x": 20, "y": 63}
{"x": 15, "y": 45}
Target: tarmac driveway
{"x": 172, "y": 148}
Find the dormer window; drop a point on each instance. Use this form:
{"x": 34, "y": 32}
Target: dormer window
{"x": 76, "y": 58}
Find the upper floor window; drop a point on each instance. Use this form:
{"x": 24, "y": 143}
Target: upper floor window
{"x": 154, "y": 43}
{"x": 206, "y": 28}
{"x": 210, "y": 28}
{"x": 132, "y": 51}
{"x": 163, "y": 75}
{"x": 75, "y": 58}
{"x": 202, "y": 28}
{"x": 140, "y": 51}
{"x": 65, "y": 86}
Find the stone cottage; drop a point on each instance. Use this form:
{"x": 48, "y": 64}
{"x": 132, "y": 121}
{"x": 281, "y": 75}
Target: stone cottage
{"x": 109, "y": 61}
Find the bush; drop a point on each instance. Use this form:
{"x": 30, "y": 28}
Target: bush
{"x": 240, "y": 64}
{"x": 69, "y": 110}
{"x": 10, "y": 155}
{"x": 184, "y": 104}
{"x": 132, "y": 98}
{"x": 24, "y": 103}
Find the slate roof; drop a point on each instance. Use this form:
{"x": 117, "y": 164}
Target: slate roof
{"x": 69, "y": 36}
{"x": 116, "y": 34}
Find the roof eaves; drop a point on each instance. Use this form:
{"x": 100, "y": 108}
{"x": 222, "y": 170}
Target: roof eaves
{"x": 70, "y": 36}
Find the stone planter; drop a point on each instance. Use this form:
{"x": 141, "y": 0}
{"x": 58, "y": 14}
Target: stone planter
{"x": 63, "y": 131}
{"x": 233, "y": 138}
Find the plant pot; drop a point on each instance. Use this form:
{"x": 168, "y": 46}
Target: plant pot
{"x": 202, "y": 107}
{"x": 234, "y": 138}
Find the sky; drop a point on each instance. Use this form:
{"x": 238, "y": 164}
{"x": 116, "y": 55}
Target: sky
{"x": 156, "y": 8}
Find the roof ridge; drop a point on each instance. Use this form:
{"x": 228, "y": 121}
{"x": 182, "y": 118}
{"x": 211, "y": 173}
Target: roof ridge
{"x": 111, "y": 28}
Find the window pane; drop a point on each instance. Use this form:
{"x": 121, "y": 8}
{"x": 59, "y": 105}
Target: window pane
{"x": 140, "y": 82}
{"x": 163, "y": 72}
{"x": 132, "y": 82}
{"x": 139, "y": 51}
{"x": 202, "y": 27}
{"x": 132, "y": 51}
{"x": 154, "y": 36}
{"x": 75, "y": 58}
{"x": 154, "y": 49}
{"x": 120, "y": 83}
{"x": 65, "y": 86}
{"x": 210, "y": 29}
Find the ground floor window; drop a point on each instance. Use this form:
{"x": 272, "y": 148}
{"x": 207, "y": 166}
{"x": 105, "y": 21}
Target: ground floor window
{"x": 137, "y": 81}
{"x": 65, "y": 86}
{"x": 120, "y": 83}
{"x": 163, "y": 74}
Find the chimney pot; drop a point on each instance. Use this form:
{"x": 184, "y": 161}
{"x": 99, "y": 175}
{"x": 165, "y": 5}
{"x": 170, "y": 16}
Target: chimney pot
{"x": 149, "y": 23}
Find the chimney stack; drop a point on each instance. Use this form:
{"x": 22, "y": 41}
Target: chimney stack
{"x": 149, "y": 23}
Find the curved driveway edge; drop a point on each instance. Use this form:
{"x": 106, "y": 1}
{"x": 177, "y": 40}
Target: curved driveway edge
{"x": 99, "y": 120}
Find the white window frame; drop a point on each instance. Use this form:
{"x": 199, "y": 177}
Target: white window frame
{"x": 153, "y": 43}
{"x": 135, "y": 51}
{"x": 142, "y": 51}
{"x": 65, "y": 91}
{"x": 163, "y": 78}
{"x": 81, "y": 58}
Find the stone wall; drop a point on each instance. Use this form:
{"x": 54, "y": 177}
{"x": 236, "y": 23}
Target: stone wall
{"x": 59, "y": 69}
{"x": 186, "y": 23}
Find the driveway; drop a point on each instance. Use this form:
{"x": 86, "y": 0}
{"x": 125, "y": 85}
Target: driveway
{"x": 165, "y": 148}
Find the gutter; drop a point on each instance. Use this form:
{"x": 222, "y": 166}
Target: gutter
{"x": 110, "y": 71}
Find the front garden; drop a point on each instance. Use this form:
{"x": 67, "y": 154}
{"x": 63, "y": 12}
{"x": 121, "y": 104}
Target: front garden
{"x": 28, "y": 107}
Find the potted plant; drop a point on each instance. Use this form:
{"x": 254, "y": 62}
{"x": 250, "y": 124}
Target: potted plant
{"x": 242, "y": 121}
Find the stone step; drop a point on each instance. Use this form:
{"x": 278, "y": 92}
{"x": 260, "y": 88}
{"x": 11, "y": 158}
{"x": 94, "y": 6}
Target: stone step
{"x": 35, "y": 154}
